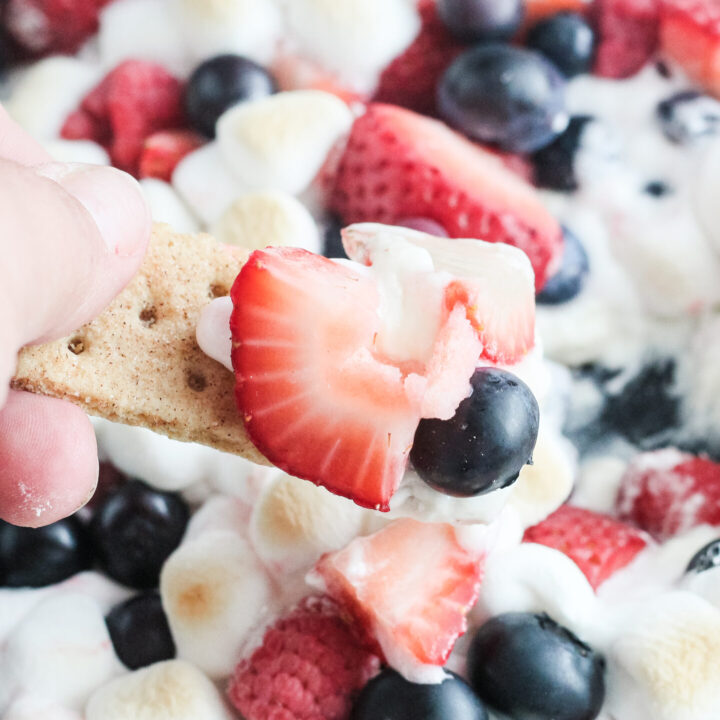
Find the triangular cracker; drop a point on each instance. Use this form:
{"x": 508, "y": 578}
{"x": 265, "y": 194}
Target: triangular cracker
{"x": 139, "y": 363}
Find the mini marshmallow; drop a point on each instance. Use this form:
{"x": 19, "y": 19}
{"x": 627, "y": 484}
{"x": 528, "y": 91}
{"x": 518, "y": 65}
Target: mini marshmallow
{"x": 167, "y": 207}
{"x": 295, "y": 522}
{"x": 273, "y": 218}
{"x": 142, "y": 30}
{"x": 77, "y": 151}
{"x": 32, "y": 707}
{"x": 242, "y": 27}
{"x": 219, "y": 512}
{"x": 61, "y": 651}
{"x": 706, "y": 584}
{"x": 354, "y": 39}
{"x": 172, "y": 690}
{"x": 206, "y": 183}
{"x": 281, "y": 142}
{"x": 215, "y": 593}
{"x": 48, "y": 92}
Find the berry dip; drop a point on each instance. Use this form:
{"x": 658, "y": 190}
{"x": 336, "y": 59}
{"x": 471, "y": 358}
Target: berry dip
{"x": 476, "y": 335}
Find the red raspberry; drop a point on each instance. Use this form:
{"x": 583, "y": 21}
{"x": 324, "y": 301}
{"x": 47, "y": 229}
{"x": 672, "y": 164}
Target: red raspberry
{"x": 309, "y": 667}
{"x": 43, "y": 26}
{"x": 132, "y": 102}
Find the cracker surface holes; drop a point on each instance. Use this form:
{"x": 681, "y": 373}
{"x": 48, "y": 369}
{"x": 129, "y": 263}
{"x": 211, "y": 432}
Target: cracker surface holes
{"x": 76, "y": 346}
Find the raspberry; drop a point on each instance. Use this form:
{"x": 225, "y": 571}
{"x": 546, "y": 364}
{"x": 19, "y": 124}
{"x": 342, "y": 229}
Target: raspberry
{"x": 132, "y": 102}
{"x": 309, "y": 667}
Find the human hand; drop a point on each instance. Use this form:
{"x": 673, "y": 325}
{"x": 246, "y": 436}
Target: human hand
{"x": 71, "y": 237}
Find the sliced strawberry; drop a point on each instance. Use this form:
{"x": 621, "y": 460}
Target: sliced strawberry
{"x": 628, "y": 35}
{"x": 399, "y": 164}
{"x": 163, "y": 150}
{"x": 493, "y": 283}
{"x": 598, "y": 544}
{"x": 411, "y": 585}
{"x": 690, "y": 35}
{"x": 316, "y": 400}
{"x": 666, "y": 492}
{"x": 410, "y": 80}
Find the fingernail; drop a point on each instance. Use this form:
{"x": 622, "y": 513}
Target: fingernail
{"x": 112, "y": 197}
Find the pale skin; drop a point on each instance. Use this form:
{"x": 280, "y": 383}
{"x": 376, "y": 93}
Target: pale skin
{"x": 71, "y": 237}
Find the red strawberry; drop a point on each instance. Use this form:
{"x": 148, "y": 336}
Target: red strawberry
{"x": 310, "y": 666}
{"x": 316, "y": 400}
{"x": 410, "y": 80}
{"x": 61, "y": 26}
{"x": 132, "y": 102}
{"x": 628, "y": 33}
{"x": 411, "y": 585}
{"x": 399, "y": 164}
{"x": 667, "y": 492}
{"x": 163, "y": 150}
{"x": 598, "y": 544}
{"x": 690, "y": 35}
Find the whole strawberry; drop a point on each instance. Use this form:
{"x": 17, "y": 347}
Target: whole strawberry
{"x": 310, "y": 666}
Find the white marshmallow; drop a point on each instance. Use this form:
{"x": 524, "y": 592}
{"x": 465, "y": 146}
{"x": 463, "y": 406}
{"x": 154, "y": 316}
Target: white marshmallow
{"x": 706, "y": 584}
{"x": 32, "y": 707}
{"x": 262, "y": 219}
{"x": 281, "y": 142}
{"x": 243, "y": 27}
{"x": 172, "y": 690}
{"x": 48, "y": 92}
{"x": 213, "y": 331}
{"x": 219, "y": 512}
{"x": 167, "y": 207}
{"x": 215, "y": 593}
{"x": 61, "y": 650}
{"x": 77, "y": 151}
{"x": 206, "y": 183}
{"x": 142, "y": 30}
{"x": 294, "y": 522}
{"x": 354, "y": 39}
{"x": 598, "y": 483}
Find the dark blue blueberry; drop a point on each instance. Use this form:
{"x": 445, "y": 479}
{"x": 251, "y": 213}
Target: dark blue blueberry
{"x": 688, "y": 115}
{"x": 505, "y": 96}
{"x": 530, "y": 668}
{"x": 647, "y": 408}
{"x": 555, "y": 164}
{"x": 140, "y": 632}
{"x": 569, "y": 280}
{"x": 134, "y": 531}
{"x": 485, "y": 444}
{"x": 567, "y": 39}
{"x": 333, "y": 246}
{"x": 482, "y": 20}
{"x": 390, "y": 697}
{"x": 36, "y": 557}
{"x": 220, "y": 83}
{"x": 657, "y": 188}
{"x": 705, "y": 559}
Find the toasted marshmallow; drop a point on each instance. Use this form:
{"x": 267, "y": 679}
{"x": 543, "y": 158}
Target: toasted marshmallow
{"x": 167, "y": 207}
{"x": 77, "y": 151}
{"x": 295, "y": 522}
{"x": 60, "y": 651}
{"x": 353, "y": 39}
{"x": 142, "y": 30}
{"x": 243, "y": 27}
{"x": 48, "y": 92}
{"x": 257, "y": 220}
{"x": 281, "y": 142}
{"x": 668, "y": 660}
{"x": 206, "y": 183}
{"x": 215, "y": 592}
{"x": 172, "y": 690}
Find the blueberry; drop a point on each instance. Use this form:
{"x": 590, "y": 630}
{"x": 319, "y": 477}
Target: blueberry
{"x": 567, "y": 40}
{"x": 36, "y": 557}
{"x": 705, "y": 559}
{"x": 569, "y": 279}
{"x": 505, "y": 96}
{"x": 657, "y": 188}
{"x": 647, "y": 408}
{"x": 487, "y": 442}
{"x": 482, "y": 20}
{"x": 554, "y": 165}
{"x": 390, "y": 697}
{"x": 220, "y": 83}
{"x": 688, "y": 115}
{"x": 333, "y": 246}
{"x": 135, "y": 529}
{"x": 530, "y": 668}
{"x": 140, "y": 632}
